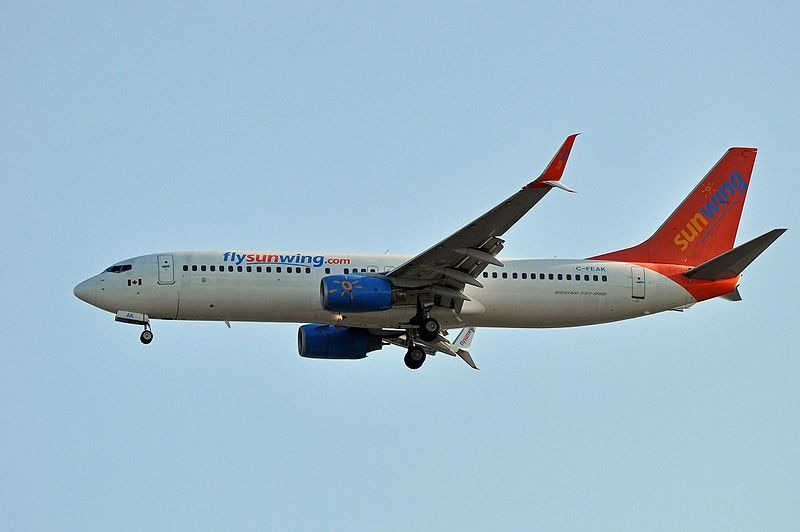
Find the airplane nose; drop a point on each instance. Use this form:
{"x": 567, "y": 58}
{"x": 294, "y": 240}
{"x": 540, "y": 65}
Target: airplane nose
{"x": 86, "y": 291}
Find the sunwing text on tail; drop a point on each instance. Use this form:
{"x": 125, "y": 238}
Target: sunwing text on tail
{"x": 355, "y": 303}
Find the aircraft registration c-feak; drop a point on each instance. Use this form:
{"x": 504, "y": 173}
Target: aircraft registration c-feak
{"x": 357, "y": 303}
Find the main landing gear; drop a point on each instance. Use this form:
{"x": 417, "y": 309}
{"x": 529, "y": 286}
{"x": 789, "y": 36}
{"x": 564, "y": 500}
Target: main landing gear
{"x": 415, "y": 357}
{"x": 428, "y": 327}
{"x": 428, "y": 331}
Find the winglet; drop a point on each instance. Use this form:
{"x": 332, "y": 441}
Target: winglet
{"x": 555, "y": 169}
{"x": 462, "y": 343}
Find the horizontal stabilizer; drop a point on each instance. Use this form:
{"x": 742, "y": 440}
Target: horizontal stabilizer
{"x": 731, "y": 263}
{"x": 733, "y": 296}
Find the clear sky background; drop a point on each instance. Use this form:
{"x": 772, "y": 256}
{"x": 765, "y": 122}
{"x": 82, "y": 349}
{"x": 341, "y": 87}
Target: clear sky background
{"x": 129, "y": 130}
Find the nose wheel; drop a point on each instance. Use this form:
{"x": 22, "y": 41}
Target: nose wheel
{"x": 147, "y": 336}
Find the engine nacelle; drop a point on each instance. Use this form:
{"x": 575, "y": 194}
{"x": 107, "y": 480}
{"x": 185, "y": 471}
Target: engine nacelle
{"x": 327, "y": 341}
{"x": 355, "y": 293}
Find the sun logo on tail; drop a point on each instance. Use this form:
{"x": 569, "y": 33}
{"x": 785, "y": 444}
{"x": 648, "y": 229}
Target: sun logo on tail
{"x": 346, "y": 287}
{"x": 708, "y": 189}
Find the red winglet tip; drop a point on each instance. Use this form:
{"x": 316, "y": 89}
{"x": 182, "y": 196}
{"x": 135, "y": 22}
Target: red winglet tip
{"x": 555, "y": 169}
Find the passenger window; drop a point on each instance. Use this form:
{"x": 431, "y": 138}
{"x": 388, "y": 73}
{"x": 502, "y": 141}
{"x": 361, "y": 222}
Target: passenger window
{"x": 277, "y": 269}
{"x": 203, "y": 268}
{"x": 494, "y": 275}
{"x": 238, "y": 268}
{"x": 485, "y": 275}
{"x": 594, "y": 278}
{"x": 605, "y": 278}
{"x": 514, "y": 275}
{"x": 569, "y": 277}
{"x": 308, "y": 270}
{"x": 258, "y": 269}
{"x": 250, "y": 269}
{"x": 560, "y": 277}
{"x": 585, "y": 277}
{"x": 372, "y": 270}
{"x": 212, "y": 268}
{"x": 541, "y": 276}
{"x": 505, "y": 275}
{"x": 194, "y": 267}
{"x": 327, "y": 270}
{"x": 230, "y": 268}
{"x": 269, "y": 269}
{"x": 577, "y": 277}
{"x": 185, "y": 268}
{"x": 550, "y": 276}
{"x": 346, "y": 271}
{"x": 524, "y": 275}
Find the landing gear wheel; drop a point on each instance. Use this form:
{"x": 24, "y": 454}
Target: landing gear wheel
{"x": 146, "y": 336}
{"x": 414, "y": 358}
{"x": 429, "y": 329}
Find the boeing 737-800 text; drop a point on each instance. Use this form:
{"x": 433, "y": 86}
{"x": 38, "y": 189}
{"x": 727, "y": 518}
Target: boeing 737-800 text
{"x": 357, "y": 303}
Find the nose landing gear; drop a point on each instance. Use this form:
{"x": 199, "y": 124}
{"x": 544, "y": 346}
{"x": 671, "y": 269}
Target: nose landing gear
{"x": 136, "y": 318}
{"x": 147, "y": 335}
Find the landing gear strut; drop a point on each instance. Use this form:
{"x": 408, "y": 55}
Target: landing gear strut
{"x": 415, "y": 357}
{"x": 428, "y": 327}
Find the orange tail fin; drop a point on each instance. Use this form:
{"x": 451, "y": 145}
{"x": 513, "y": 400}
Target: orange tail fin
{"x": 704, "y": 225}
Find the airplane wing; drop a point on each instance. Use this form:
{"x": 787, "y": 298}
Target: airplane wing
{"x": 460, "y": 258}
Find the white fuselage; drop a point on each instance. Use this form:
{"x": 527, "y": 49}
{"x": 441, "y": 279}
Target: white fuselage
{"x": 523, "y": 293}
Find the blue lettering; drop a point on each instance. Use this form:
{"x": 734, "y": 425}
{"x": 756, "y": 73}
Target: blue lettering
{"x": 737, "y": 182}
{"x": 711, "y": 208}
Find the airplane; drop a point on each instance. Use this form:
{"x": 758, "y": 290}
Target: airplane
{"x": 354, "y": 304}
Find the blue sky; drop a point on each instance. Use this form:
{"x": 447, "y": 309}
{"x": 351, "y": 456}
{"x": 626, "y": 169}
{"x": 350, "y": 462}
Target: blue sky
{"x": 134, "y": 129}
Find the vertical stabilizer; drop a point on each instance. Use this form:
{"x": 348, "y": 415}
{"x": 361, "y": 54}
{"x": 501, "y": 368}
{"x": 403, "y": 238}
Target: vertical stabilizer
{"x": 704, "y": 225}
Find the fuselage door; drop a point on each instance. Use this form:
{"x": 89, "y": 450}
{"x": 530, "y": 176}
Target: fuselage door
{"x": 637, "y": 280}
{"x": 166, "y": 271}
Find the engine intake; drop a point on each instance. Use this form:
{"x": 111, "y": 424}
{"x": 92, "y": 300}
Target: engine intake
{"x": 327, "y": 341}
{"x": 355, "y": 293}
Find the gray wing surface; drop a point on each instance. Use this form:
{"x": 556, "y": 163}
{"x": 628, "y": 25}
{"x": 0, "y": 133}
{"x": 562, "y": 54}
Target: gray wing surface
{"x": 460, "y": 258}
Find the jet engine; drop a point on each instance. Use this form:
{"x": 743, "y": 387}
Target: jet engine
{"x": 328, "y": 341}
{"x": 355, "y": 293}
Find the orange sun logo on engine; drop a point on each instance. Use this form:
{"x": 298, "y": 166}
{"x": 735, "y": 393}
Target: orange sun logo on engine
{"x": 347, "y": 287}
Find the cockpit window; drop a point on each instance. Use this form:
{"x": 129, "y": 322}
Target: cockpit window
{"x": 118, "y": 268}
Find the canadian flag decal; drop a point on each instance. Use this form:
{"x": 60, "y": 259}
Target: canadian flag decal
{"x": 134, "y": 282}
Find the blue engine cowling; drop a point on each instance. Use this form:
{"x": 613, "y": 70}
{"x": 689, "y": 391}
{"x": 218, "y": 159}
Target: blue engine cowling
{"x": 327, "y": 341}
{"x": 355, "y": 293}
